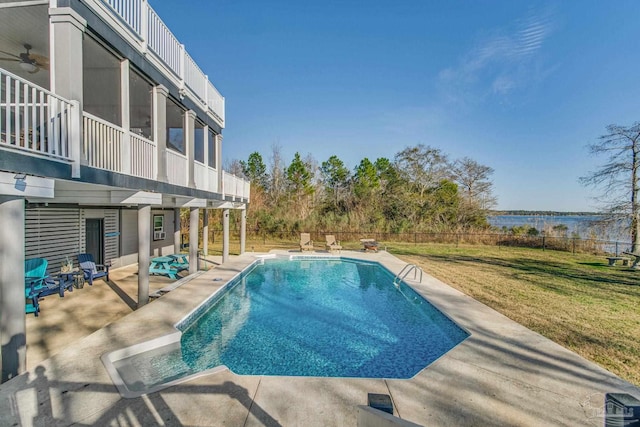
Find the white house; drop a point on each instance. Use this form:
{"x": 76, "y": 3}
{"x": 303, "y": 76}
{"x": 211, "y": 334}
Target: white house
{"x": 107, "y": 128}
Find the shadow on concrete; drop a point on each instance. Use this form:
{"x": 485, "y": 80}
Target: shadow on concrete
{"x": 122, "y": 295}
{"x": 152, "y": 409}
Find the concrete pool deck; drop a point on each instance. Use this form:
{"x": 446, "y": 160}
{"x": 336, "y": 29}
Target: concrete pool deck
{"x": 503, "y": 374}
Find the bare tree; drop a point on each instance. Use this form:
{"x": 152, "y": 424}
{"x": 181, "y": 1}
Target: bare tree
{"x": 423, "y": 166}
{"x": 474, "y": 182}
{"x": 618, "y": 177}
{"x": 234, "y": 167}
{"x": 276, "y": 166}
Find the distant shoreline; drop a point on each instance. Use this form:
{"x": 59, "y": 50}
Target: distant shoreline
{"x": 543, "y": 213}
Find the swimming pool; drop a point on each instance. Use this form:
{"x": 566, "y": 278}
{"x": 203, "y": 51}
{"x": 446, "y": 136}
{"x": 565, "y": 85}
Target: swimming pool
{"x": 302, "y": 316}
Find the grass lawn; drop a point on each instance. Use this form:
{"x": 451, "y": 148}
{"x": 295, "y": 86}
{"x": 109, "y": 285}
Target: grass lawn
{"x": 574, "y": 300}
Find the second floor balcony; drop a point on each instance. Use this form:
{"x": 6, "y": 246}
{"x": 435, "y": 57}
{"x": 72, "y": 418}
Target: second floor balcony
{"x": 105, "y": 84}
{"x": 37, "y": 122}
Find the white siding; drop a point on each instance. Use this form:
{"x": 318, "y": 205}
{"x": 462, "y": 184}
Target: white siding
{"x": 53, "y": 233}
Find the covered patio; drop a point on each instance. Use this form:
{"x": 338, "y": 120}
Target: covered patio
{"x": 81, "y": 312}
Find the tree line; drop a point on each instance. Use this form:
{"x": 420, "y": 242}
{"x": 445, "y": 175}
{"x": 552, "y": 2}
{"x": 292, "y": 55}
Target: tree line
{"x": 420, "y": 190}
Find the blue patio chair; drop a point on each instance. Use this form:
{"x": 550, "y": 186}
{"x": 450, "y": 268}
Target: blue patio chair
{"x": 35, "y": 272}
{"x": 91, "y": 269}
{"x": 39, "y": 284}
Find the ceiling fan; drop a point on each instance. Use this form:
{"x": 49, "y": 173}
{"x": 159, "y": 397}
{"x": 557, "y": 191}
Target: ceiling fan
{"x": 29, "y": 62}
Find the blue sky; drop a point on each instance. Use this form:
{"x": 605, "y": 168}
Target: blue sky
{"x": 520, "y": 86}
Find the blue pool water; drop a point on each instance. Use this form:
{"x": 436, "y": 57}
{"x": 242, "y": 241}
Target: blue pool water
{"x": 328, "y": 317}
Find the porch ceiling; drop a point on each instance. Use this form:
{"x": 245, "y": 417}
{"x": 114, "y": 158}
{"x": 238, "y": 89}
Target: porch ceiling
{"x": 88, "y": 194}
{"x": 24, "y": 24}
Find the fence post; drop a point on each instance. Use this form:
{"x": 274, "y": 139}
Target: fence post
{"x": 415, "y": 238}
{"x": 543, "y": 243}
{"x": 616, "y": 248}
{"x": 574, "y": 245}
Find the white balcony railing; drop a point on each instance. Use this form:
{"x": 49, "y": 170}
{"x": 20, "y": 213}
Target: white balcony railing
{"x": 194, "y": 78}
{"x": 130, "y": 11}
{"x": 213, "y": 179}
{"x": 107, "y": 146}
{"x": 38, "y": 122}
{"x": 215, "y": 101}
{"x": 200, "y": 176}
{"x": 33, "y": 119}
{"x": 144, "y": 157}
{"x": 153, "y": 36}
{"x": 177, "y": 168}
{"x": 102, "y": 143}
{"x": 235, "y": 186}
{"x": 162, "y": 41}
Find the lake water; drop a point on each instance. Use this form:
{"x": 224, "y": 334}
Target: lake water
{"x": 573, "y": 222}
{"x": 581, "y": 225}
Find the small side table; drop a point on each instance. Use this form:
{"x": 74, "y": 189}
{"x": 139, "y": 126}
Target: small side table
{"x": 73, "y": 278}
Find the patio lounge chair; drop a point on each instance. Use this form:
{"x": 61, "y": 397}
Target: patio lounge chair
{"x": 38, "y": 284}
{"x": 332, "y": 244}
{"x": 369, "y": 245}
{"x": 35, "y": 271}
{"x": 306, "y": 244}
{"x": 91, "y": 269}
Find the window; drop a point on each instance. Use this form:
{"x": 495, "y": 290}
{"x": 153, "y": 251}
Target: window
{"x": 158, "y": 227}
{"x": 175, "y": 126}
{"x": 199, "y": 141}
{"x": 212, "y": 149}
{"x": 101, "y": 82}
{"x": 140, "y": 105}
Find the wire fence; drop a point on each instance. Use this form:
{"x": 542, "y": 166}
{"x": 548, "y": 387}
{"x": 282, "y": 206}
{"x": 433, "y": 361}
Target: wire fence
{"x": 352, "y": 238}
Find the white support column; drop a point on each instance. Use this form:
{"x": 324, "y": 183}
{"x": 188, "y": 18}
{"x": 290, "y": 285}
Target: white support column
{"x": 243, "y": 230}
{"x": 205, "y": 232}
{"x": 13, "y": 327}
{"x": 66, "y": 31}
{"x": 124, "y": 112}
{"x": 144, "y": 249}
{"x": 225, "y": 235}
{"x": 189, "y": 142}
{"x": 67, "y": 28}
{"x": 176, "y": 230}
{"x": 160, "y": 94}
{"x": 194, "y": 221}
